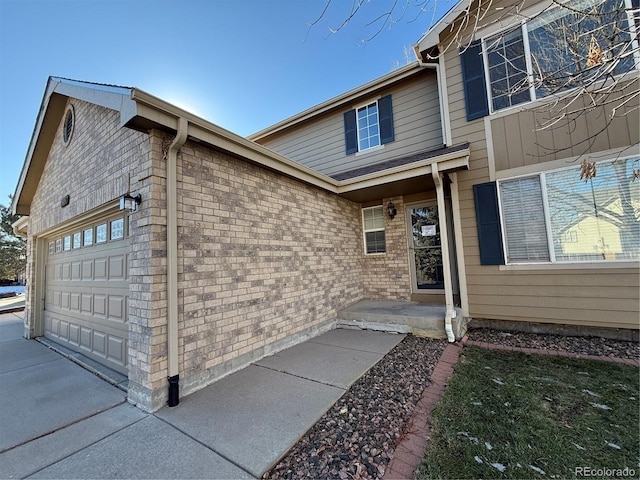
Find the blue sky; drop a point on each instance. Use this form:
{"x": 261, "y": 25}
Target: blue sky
{"x": 242, "y": 64}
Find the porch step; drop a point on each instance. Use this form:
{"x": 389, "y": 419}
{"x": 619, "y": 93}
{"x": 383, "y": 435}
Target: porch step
{"x": 399, "y": 316}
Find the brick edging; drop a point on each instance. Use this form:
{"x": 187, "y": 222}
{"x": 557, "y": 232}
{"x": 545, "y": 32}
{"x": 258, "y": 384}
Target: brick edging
{"x": 540, "y": 351}
{"x": 413, "y": 443}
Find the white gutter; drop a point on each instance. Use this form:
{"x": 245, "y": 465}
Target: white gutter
{"x": 172, "y": 261}
{"x": 444, "y": 244}
{"x": 20, "y": 226}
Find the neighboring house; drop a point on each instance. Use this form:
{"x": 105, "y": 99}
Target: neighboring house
{"x": 174, "y": 251}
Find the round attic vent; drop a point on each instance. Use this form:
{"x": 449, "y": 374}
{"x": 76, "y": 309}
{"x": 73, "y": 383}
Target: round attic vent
{"x": 69, "y": 122}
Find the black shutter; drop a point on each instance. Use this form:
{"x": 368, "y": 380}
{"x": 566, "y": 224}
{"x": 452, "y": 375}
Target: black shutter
{"x": 475, "y": 91}
{"x": 385, "y": 111}
{"x": 350, "y": 132}
{"x": 488, "y": 220}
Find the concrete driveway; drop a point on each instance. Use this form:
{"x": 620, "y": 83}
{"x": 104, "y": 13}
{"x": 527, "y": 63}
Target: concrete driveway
{"x": 60, "y": 421}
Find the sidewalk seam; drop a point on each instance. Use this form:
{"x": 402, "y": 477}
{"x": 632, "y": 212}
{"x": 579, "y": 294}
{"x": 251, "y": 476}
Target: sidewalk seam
{"x": 308, "y": 379}
{"x": 222, "y": 455}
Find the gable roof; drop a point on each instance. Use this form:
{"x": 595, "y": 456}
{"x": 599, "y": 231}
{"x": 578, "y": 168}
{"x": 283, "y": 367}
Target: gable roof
{"x": 49, "y": 116}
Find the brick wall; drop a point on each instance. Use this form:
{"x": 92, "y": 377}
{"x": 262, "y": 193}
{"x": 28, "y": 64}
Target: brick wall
{"x": 263, "y": 258}
{"x": 97, "y": 166}
{"x": 387, "y": 276}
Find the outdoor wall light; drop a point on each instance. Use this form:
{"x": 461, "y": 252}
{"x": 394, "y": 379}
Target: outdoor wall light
{"x": 130, "y": 203}
{"x": 392, "y": 210}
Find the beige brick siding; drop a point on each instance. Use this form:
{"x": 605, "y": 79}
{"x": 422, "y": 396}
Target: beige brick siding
{"x": 387, "y": 276}
{"x": 262, "y": 257}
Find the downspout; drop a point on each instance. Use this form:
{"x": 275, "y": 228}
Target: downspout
{"x": 172, "y": 262}
{"x": 444, "y": 245}
{"x": 437, "y": 180}
{"x": 442, "y": 97}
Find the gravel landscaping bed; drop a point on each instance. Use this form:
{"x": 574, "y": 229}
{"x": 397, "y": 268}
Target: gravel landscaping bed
{"x": 357, "y": 436}
{"x": 583, "y": 345}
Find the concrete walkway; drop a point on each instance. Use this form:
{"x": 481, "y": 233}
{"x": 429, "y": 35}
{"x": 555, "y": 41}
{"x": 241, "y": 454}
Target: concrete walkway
{"x": 60, "y": 421}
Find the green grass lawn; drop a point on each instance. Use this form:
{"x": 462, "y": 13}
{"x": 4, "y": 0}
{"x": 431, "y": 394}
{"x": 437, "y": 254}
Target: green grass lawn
{"x": 511, "y": 415}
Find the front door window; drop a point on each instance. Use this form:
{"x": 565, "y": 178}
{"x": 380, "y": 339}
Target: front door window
{"x": 426, "y": 248}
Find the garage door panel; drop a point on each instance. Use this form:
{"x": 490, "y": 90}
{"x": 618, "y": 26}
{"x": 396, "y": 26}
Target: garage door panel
{"x": 57, "y": 273}
{"x": 66, "y": 271}
{"x": 64, "y": 300}
{"x": 100, "y": 272}
{"x": 100, "y": 305}
{"x": 86, "y": 303}
{"x": 63, "y": 331}
{"x": 74, "y": 302}
{"x": 85, "y": 339}
{"x": 75, "y": 271}
{"x": 116, "y": 349}
{"x": 74, "y": 334}
{"x": 117, "y": 267}
{"x": 117, "y": 308}
{"x": 87, "y": 270}
{"x": 100, "y": 343}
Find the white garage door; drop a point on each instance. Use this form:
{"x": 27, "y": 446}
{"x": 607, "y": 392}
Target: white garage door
{"x": 87, "y": 289}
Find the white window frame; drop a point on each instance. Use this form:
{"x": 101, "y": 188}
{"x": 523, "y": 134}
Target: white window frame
{"x": 372, "y": 230}
{"x": 545, "y": 202}
{"x": 373, "y": 147}
{"x": 489, "y": 33}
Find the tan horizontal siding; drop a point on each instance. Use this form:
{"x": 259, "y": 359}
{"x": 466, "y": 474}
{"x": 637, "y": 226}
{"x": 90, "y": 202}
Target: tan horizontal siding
{"x": 557, "y": 291}
{"x": 319, "y": 143}
{"x": 518, "y": 140}
{"x": 541, "y": 314}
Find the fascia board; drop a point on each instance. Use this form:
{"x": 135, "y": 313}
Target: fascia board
{"x": 344, "y": 99}
{"x": 432, "y": 37}
{"x": 166, "y": 114}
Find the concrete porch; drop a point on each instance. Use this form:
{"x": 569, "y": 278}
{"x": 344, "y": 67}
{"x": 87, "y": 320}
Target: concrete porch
{"x": 400, "y": 316}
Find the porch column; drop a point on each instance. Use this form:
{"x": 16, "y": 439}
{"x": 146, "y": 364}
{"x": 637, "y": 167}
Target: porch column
{"x": 446, "y": 260}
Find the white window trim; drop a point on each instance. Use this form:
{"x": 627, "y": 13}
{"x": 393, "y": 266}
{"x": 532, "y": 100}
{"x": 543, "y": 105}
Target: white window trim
{"x": 528, "y": 14}
{"x": 375, "y": 147}
{"x": 365, "y": 231}
{"x": 552, "y": 260}
{"x": 369, "y": 150}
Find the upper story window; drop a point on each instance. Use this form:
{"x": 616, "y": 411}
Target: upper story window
{"x": 369, "y": 126}
{"x": 563, "y": 47}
